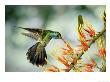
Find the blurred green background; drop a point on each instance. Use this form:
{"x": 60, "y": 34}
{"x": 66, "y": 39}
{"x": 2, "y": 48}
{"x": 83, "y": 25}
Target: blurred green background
{"x": 57, "y": 18}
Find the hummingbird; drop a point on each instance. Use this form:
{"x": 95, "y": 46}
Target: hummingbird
{"x": 37, "y": 53}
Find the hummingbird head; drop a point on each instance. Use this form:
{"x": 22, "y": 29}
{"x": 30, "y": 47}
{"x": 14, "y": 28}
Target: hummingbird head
{"x": 56, "y": 35}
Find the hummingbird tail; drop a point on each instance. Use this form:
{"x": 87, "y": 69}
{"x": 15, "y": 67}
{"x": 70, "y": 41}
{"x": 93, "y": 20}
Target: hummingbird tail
{"x": 35, "y": 57}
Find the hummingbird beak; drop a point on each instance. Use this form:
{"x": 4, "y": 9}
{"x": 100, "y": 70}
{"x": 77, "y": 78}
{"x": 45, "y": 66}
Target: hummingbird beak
{"x": 63, "y": 40}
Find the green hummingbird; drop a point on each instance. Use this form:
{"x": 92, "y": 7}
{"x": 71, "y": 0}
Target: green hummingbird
{"x": 37, "y": 53}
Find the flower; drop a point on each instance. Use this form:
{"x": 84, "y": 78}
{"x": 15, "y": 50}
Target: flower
{"x": 64, "y": 61}
{"x": 81, "y": 32}
{"x": 92, "y": 60}
{"x": 88, "y": 70}
{"x": 73, "y": 60}
{"x": 53, "y": 68}
{"x": 82, "y": 38}
{"x": 82, "y": 35}
{"x": 85, "y": 45}
{"x": 89, "y": 65}
{"x": 78, "y": 69}
{"x": 90, "y": 30}
{"x": 78, "y": 49}
{"x": 102, "y": 51}
{"x": 68, "y": 51}
{"x": 83, "y": 67}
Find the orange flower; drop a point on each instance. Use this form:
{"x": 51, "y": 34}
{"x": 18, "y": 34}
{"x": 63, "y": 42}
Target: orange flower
{"x": 83, "y": 40}
{"x": 67, "y": 51}
{"x": 88, "y": 70}
{"x": 74, "y": 60}
{"x": 102, "y": 51}
{"x": 80, "y": 32}
{"x": 89, "y": 65}
{"x": 84, "y": 68}
{"x": 64, "y": 61}
{"x": 82, "y": 35}
{"x": 78, "y": 49}
{"x": 92, "y": 61}
{"x": 85, "y": 45}
{"x": 53, "y": 68}
{"x": 91, "y": 31}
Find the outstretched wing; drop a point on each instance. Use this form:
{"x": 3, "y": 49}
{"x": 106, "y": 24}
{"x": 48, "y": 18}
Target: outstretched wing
{"x": 33, "y": 32}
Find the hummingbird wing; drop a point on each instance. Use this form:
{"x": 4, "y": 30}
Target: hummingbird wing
{"x": 34, "y": 33}
{"x": 37, "y": 55}
{"x": 34, "y": 30}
